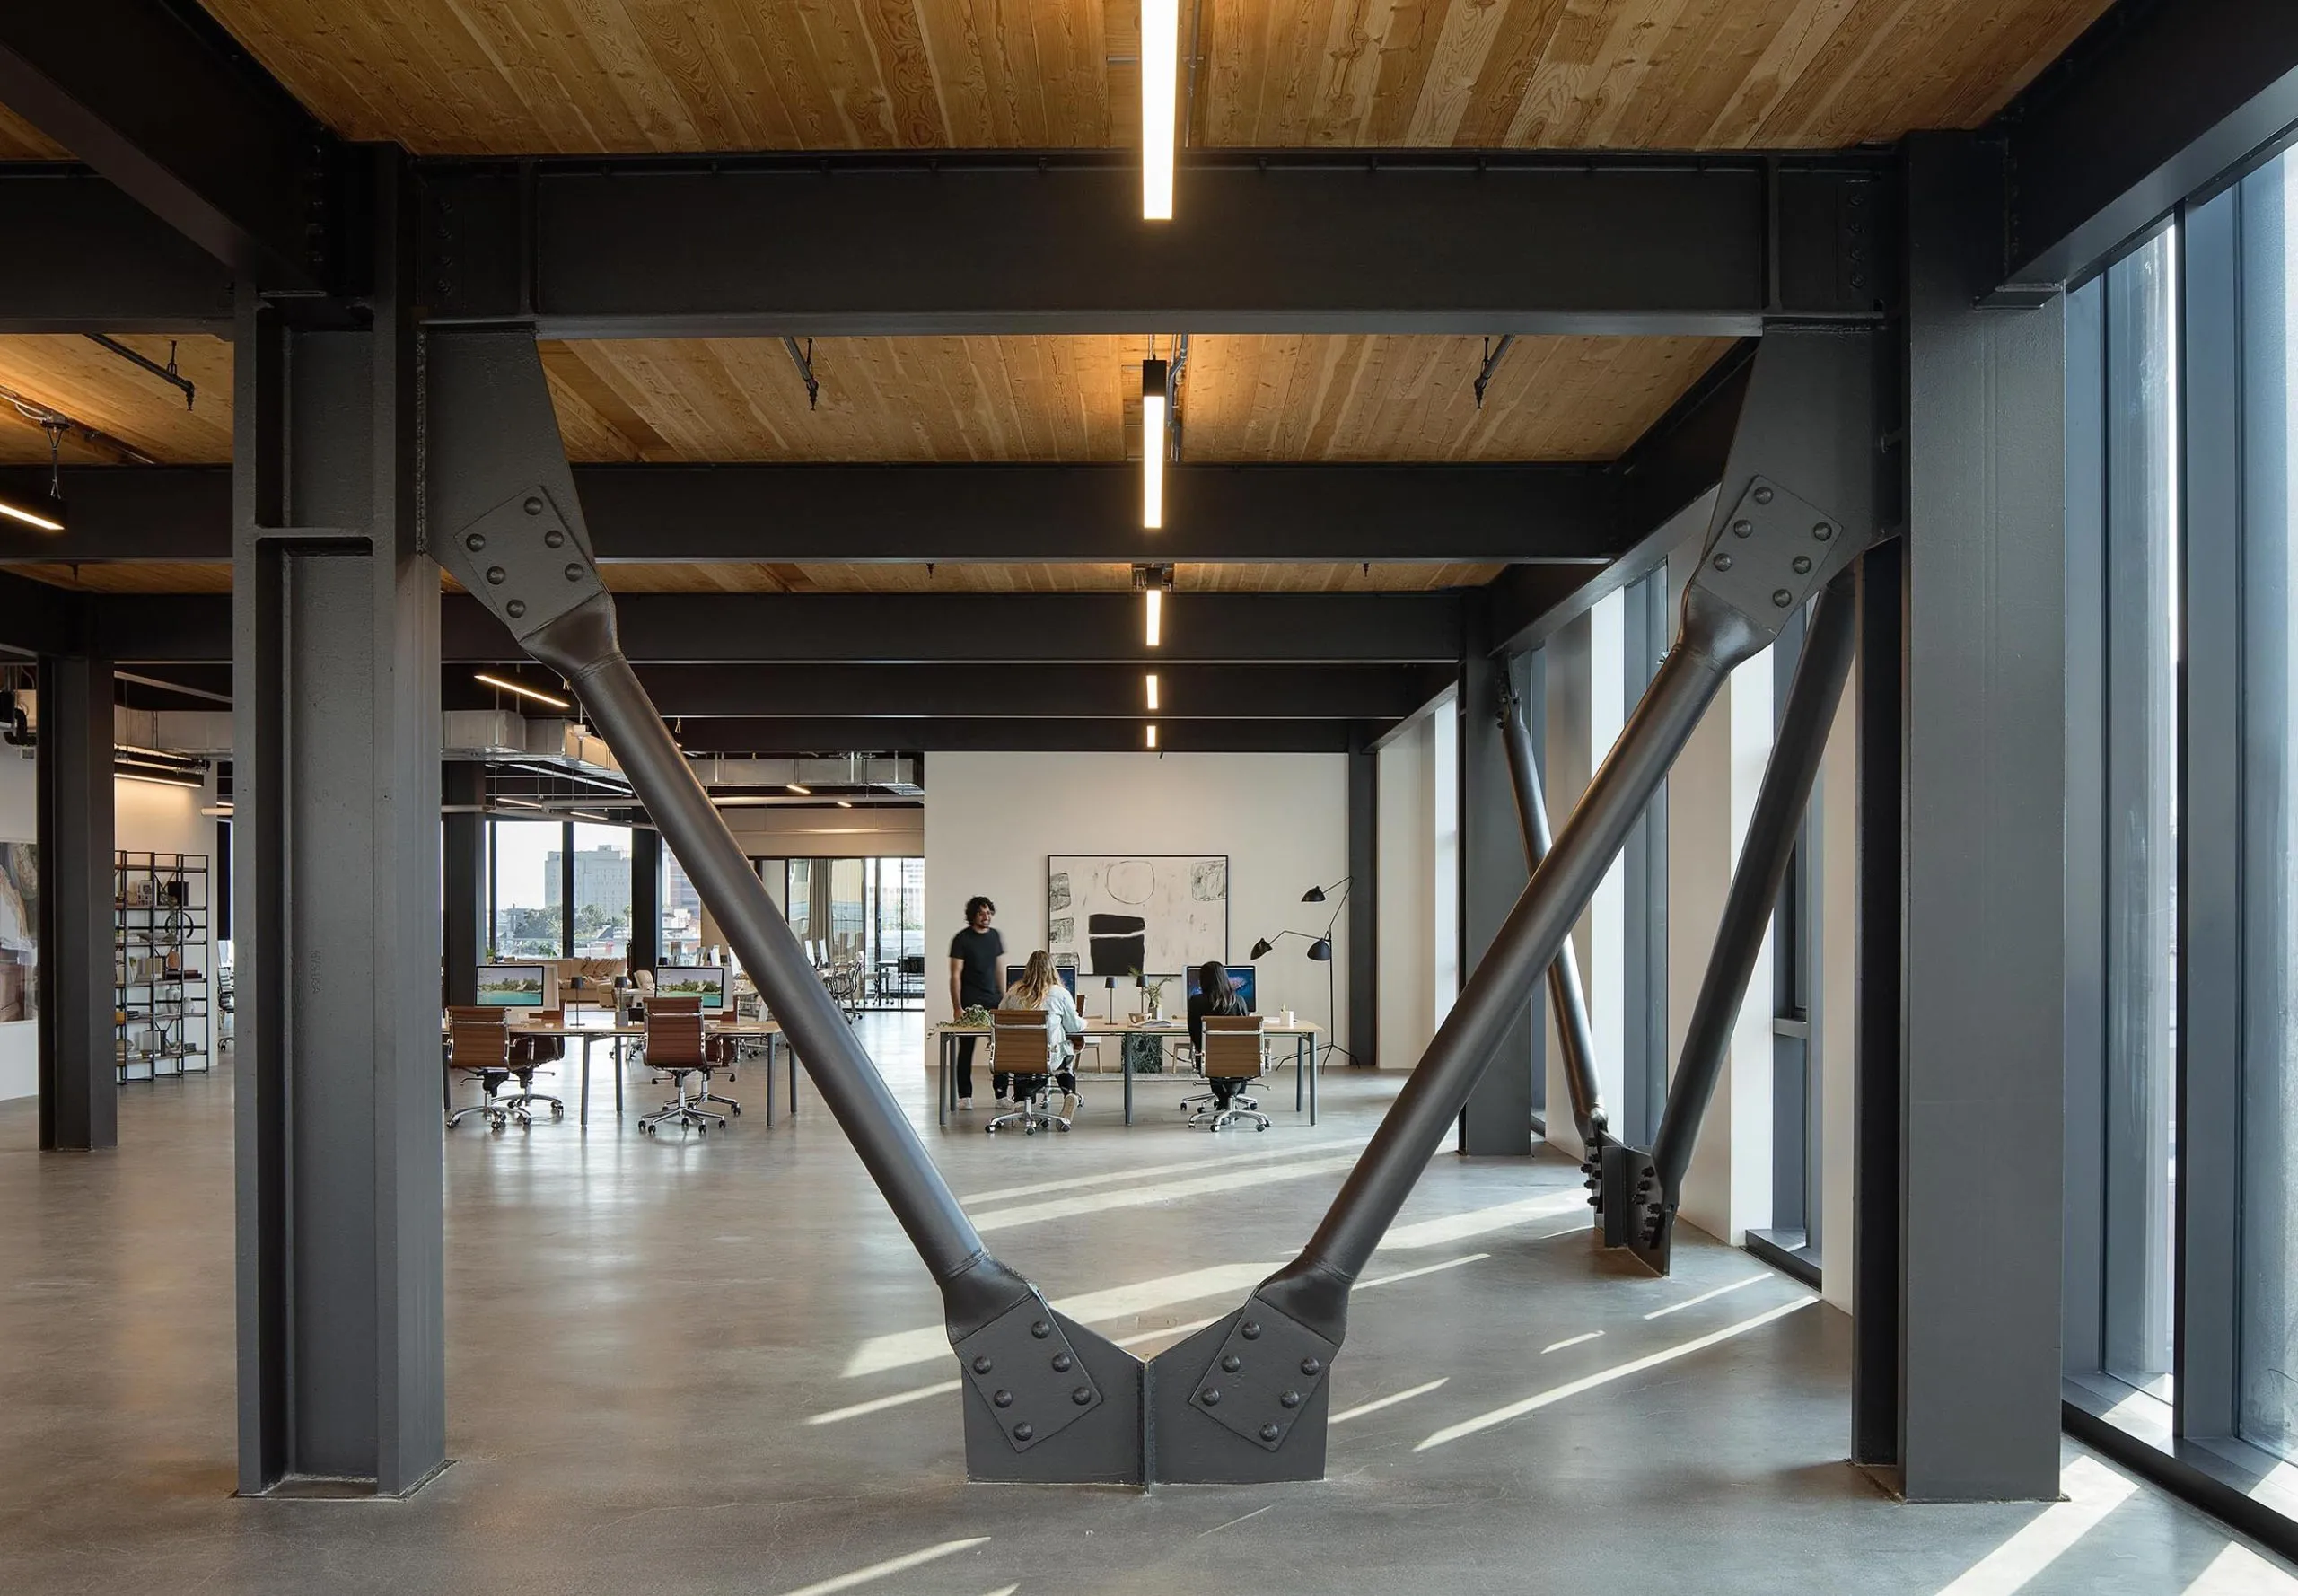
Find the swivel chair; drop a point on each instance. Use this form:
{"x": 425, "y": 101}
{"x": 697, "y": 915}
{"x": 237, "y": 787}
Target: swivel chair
{"x": 1023, "y": 1050}
{"x": 531, "y": 1053}
{"x": 676, "y": 1045}
{"x": 478, "y": 1045}
{"x": 1233, "y": 1058}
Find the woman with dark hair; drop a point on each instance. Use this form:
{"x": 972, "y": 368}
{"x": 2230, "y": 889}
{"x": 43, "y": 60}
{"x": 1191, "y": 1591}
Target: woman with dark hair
{"x": 1214, "y": 996}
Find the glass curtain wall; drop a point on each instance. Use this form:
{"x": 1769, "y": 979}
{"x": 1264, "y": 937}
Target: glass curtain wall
{"x": 601, "y": 872}
{"x": 523, "y": 889}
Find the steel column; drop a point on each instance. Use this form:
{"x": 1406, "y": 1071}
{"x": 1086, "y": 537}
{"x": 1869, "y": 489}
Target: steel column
{"x": 1569, "y": 1003}
{"x": 646, "y": 898}
{"x": 337, "y": 797}
{"x": 464, "y": 933}
{"x": 78, "y": 1079}
{"x": 1772, "y": 830}
{"x": 1496, "y": 1119}
{"x": 1363, "y": 900}
{"x": 1985, "y": 725}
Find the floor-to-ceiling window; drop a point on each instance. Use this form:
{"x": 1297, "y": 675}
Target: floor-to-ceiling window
{"x": 524, "y": 897}
{"x": 601, "y": 897}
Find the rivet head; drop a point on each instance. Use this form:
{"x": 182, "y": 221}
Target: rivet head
{"x": 983, "y": 1365}
{"x": 1782, "y": 598}
{"x": 515, "y": 607}
{"x": 1210, "y": 1396}
{"x": 1744, "y": 528}
{"x": 496, "y": 576}
{"x": 1041, "y": 1329}
{"x": 1722, "y": 562}
{"x": 574, "y": 572}
{"x": 1312, "y": 1367}
{"x": 534, "y": 506}
{"x": 475, "y": 542}
{"x": 1250, "y": 1329}
{"x": 1063, "y": 1362}
{"x": 1270, "y": 1432}
{"x": 1763, "y": 496}
{"x": 1233, "y": 1363}
{"x": 1289, "y": 1399}
{"x": 1082, "y": 1396}
{"x": 1022, "y": 1431}
{"x": 1823, "y": 531}
{"x": 1802, "y": 564}
{"x": 1003, "y": 1398}
{"x": 554, "y": 538}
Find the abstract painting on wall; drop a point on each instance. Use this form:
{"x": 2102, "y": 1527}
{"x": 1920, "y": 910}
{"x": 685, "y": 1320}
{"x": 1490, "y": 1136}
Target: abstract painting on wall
{"x": 1113, "y": 914}
{"x": 19, "y": 930}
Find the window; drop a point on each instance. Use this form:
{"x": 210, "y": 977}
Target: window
{"x": 523, "y": 876}
{"x": 600, "y": 868}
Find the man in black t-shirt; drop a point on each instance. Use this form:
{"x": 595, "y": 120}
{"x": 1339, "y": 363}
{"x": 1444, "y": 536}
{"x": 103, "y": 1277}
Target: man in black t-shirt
{"x": 974, "y": 977}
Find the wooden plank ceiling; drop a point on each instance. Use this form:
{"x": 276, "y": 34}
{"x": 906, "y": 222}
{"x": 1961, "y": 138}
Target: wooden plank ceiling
{"x": 95, "y": 386}
{"x": 20, "y": 141}
{"x": 568, "y": 78}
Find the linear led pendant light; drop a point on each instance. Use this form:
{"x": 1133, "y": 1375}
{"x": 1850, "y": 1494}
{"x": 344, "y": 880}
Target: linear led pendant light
{"x": 1153, "y": 689}
{"x": 506, "y": 684}
{"x": 1160, "y": 38}
{"x": 1152, "y": 443}
{"x": 53, "y": 520}
{"x": 1152, "y": 581}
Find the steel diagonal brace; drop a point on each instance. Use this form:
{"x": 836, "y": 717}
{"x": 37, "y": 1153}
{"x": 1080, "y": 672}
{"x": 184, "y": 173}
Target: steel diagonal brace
{"x": 1574, "y": 1035}
{"x": 1245, "y": 1399}
{"x": 1045, "y": 1397}
{"x": 1652, "y": 1183}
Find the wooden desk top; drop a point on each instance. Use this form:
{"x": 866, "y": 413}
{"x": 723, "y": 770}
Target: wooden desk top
{"x": 1094, "y": 1028}
{"x": 714, "y": 1027}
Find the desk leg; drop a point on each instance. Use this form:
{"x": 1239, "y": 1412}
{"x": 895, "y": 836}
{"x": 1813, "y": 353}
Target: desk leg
{"x": 1311, "y": 1051}
{"x": 941, "y": 1080}
{"x": 620, "y": 1065}
{"x": 1299, "y": 1075}
{"x": 769, "y": 1082}
{"x": 1125, "y": 1068}
{"x": 790, "y": 1062}
{"x": 584, "y": 1116}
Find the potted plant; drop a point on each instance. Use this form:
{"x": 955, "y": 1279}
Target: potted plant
{"x": 1152, "y": 994}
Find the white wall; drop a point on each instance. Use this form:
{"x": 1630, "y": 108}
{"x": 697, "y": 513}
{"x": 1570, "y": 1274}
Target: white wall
{"x": 1566, "y": 773}
{"x": 1282, "y": 818}
{"x": 1405, "y": 848}
{"x": 146, "y": 815}
{"x": 1834, "y": 806}
{"x": 1444, "y": 855}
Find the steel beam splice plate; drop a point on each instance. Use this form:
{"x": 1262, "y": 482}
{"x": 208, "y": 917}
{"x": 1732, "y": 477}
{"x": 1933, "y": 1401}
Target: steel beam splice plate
{"x": 1258, "y": 1384}
{"x": 1025, "y": 1369}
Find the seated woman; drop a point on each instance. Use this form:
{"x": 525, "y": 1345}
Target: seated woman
{"x": 1040, "y": 988}
{"x": 1214, "y": 996}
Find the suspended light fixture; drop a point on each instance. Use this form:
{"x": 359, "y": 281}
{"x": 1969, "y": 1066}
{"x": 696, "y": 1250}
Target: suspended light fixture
{"x": 521, "y": 689}
{"x": 1153, "y": 689}
{"x": 1154, "y": 580}
{"x": 1152, "y": 443}
{"x": 1153, "y": 734}
{"x": 800, "y": 788}
{"x": 47, "y": 517}
{"x": 1161, "y": 41}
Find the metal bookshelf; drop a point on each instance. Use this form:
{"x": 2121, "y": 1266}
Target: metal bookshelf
{"x": 160, "y": 955}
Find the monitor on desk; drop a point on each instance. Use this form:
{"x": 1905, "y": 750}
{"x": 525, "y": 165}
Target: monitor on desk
{"x": 1067, "y": 972}
{"x": 1243, "y": 978}
{"x": 712, "y": 983}
{"x": 516, "y": 986}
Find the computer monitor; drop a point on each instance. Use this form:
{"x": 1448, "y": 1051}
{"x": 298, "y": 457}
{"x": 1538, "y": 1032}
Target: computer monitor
{"x": 516, "y": 985}
{"x": 1067, "y": 972}
{"x": 1243, "y": 978}
{"x": 712, "y": 983}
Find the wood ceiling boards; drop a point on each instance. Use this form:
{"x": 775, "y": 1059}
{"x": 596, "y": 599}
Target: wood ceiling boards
{"x": 20, "y": 141}
{"x": 1325, "y": 396}
{"x": 95, "y": 386}
{"x": 563, "y": 76}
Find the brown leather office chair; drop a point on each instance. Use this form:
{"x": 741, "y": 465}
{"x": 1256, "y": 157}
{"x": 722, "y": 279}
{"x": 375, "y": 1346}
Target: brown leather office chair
{"x": 1022, "y": 1050}
{"x": 676, "y": 1045}
{"x": 478, "y": 1045}
{"x": 1233, "y": 1058}
{"x": 532, "y": 1053}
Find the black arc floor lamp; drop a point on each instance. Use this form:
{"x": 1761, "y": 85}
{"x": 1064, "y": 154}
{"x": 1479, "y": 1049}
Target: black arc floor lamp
{"x": 1320, "y": 950}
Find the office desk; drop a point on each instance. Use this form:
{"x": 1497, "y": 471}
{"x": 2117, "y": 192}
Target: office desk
{"x": 587, "y": 1035}
{"x": 1303, "y": 1036}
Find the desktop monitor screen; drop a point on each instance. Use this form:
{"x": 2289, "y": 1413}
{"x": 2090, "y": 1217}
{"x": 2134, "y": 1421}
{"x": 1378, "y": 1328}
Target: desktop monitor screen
{"x": 1067, "y": 972}
{"x": 511, "y": 985}
{"x": 708, "y": 982}
{"x": 1244, "y": 978}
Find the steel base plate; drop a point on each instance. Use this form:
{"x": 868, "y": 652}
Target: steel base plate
{"x": 1229, "y": 1441}
{"x": 1099, "y": 1442}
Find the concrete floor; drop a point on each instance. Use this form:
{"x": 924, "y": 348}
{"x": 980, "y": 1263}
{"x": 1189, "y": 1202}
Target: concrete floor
{"x": 679, "y": 1365}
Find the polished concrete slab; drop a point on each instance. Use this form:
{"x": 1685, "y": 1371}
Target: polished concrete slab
{"x": 711, "y": 1364}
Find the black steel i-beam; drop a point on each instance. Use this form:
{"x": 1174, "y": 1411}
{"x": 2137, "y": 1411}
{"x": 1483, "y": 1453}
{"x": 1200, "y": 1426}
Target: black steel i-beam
{"x": 1564, "y": 994}
{"x": 1645, "y": 1188}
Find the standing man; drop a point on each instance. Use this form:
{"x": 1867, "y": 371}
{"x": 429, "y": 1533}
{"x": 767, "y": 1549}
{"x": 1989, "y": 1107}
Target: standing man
{"x": 974, "y": 955}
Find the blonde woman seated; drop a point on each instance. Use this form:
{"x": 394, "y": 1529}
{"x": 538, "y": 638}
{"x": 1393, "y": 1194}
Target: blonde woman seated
{"x": 1040, "y": 988}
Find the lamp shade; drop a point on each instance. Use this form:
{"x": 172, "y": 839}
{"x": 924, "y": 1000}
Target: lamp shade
{"x": 1320, "y": 950}
{"x": 1313, "y": 895}
{"x": 1260, "y": 948}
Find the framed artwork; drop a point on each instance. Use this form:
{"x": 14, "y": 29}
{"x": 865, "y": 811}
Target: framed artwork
{"x": 1113, "y": 914}
{"x": 19, "y": 930}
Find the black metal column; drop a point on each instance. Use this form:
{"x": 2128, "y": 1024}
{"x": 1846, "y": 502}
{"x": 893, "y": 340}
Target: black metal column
{"x": 463, "y": 933}
{"x": 78, "y": 1082}
{"x": 335, "y": 619}
{"x": 1497, "y": 1118}
{"x": 646, "y": 898}
{"x": 1984, "y": 964}
{"x": 1363, "y": 901}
